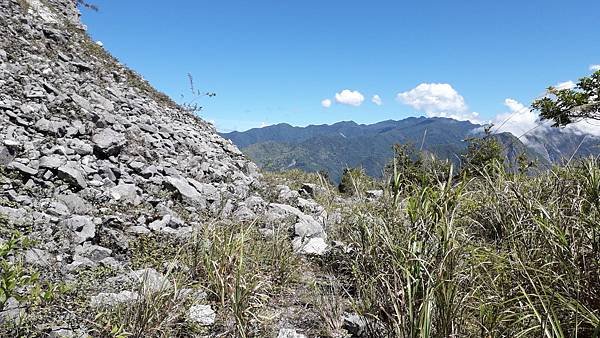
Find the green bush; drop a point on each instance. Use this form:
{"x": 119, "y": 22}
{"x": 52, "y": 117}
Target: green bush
{"x": 355, "y": 182}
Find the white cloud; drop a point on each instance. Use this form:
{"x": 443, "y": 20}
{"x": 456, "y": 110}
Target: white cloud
{"x": 585, "y": 127}
{"x": 594, "y": 68}
{"x": 349, "y": 97}
{"x": 565, "y": 85}
{"x": 326, "y": 103}
{"x": 438, "y": 100}
{"x": 471, "y": 117}
{"x": 519, "y": 119}
{"x": 264, "y": 124}
{"x": 377, "y": 100}
{"x": 434, "y": 98}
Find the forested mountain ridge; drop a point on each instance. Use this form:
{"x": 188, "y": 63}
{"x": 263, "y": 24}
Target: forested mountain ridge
{"x": 332, "y": 148}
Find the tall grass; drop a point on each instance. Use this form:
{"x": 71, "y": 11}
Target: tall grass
{"x": 241, "y": 270}
{"x": 495, "y": 254}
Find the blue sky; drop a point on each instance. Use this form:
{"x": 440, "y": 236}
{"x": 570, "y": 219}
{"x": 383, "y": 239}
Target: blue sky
{"x": 276, "y": 61}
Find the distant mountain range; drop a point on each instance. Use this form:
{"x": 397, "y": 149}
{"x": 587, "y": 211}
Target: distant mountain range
{"x": 347, "y": 144}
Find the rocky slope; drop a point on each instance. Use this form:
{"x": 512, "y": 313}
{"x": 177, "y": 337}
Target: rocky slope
{"x": 91, "y": 156}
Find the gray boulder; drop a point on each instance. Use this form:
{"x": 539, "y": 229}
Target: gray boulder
{"x": 52, "y": 161}
{"x": 72, "y": 176}
{"x": 187, "y": 192}
{"x": 108, "y": 141}
{"x": 83, "y": 227}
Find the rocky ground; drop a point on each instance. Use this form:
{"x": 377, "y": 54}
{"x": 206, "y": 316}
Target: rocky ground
{"x": 96, "y": 167}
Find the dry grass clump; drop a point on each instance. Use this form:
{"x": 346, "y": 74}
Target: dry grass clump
{"x": 238, "y": 269}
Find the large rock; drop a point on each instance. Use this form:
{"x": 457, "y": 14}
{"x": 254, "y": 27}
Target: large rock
{"x": 108, "y": 142}
{"x": 82, "y": 226}
{"x": 125, "y": 193}
{"x": 304, "y": 225}
{"x": 187, "y": 192}
{"x": 73, "y": 176}
{"x": 52, "y": 161}
{"x": 22, "y": 168}
{"x": 6, "y": 155}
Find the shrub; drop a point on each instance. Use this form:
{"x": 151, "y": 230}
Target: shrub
{"x": 483, "y": 154}
{"x": 355, "y": 182}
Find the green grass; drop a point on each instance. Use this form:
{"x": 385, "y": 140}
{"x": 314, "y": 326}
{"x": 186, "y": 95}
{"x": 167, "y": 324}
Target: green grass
{"x": 497, "y": 255}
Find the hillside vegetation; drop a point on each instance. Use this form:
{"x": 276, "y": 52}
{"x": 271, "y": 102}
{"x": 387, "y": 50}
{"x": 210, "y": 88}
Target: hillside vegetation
{"x": 333, "y": 148}
{"x": 480, "y": 254}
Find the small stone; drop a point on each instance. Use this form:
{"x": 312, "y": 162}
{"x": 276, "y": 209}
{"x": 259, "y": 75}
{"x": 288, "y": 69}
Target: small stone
{"x": 80, "y": 147}
{"x": 22, "y": 168}
{"x": 138, "y": 230}
{"x": 160, "y": 224}
{"x": 153, "y": 280}
{"x": 202, "y": 315}
{"x": 310, "y": 189}
{"x": 38, "y": 257}
{"x": 6, "y": 155}
{"x": 12, "y": 311}
{"x": 95, "y": 253}
{"x": 52, "y": 161}
{"x": 136, "y": 165}
{"x": 149, "y": 171}
{"x": 289, "y": 333}
{"x": 354, "y": 324}
{"x": 12, "y": 144}
{"x": 374, "y": 194}
{"x": 111, "y": 299}
{"x": 312, "y": 246}
{"x": 243, "y": 213}
{"x": 58, "y": 209}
